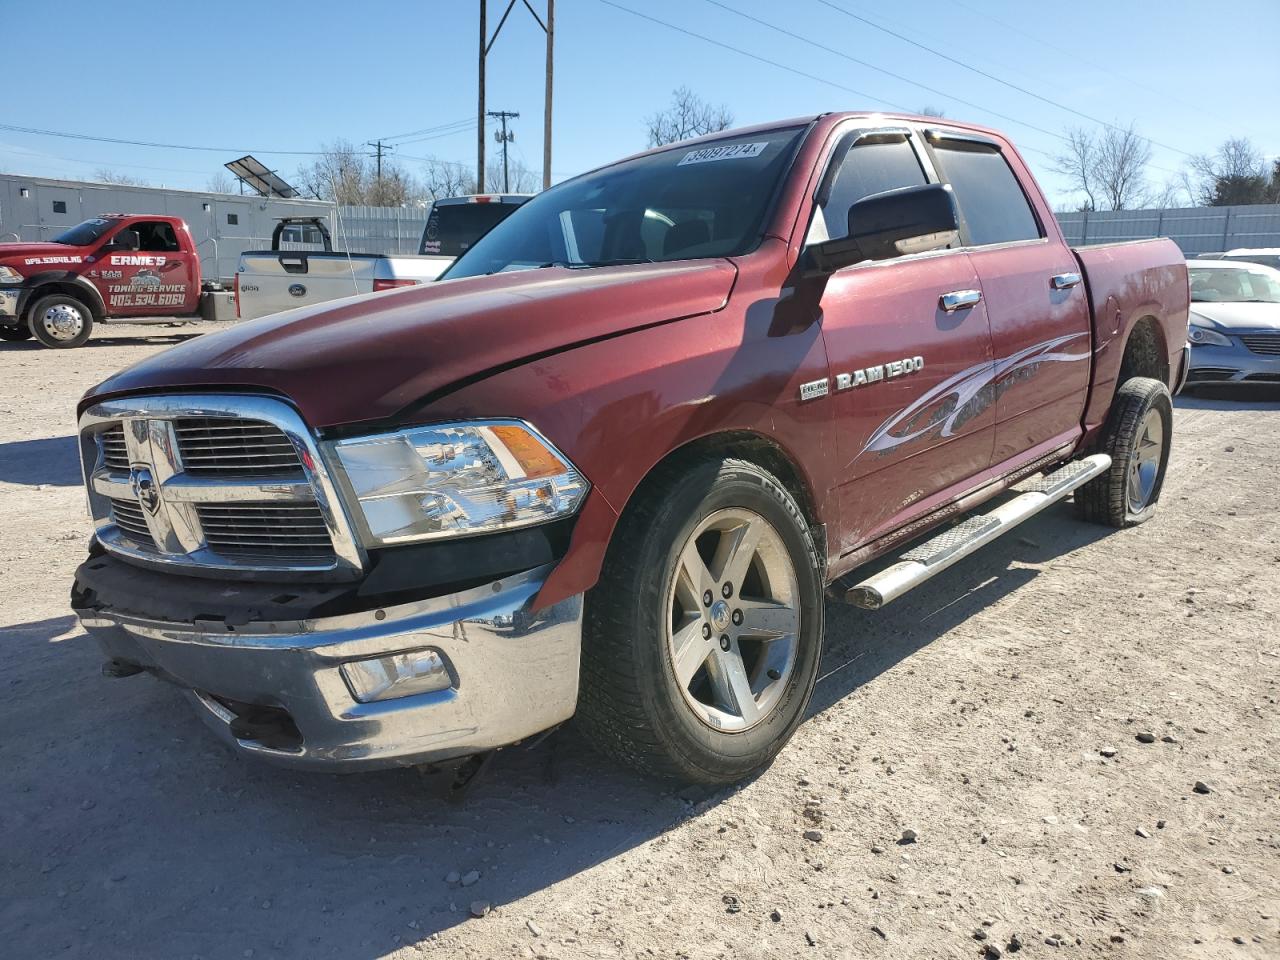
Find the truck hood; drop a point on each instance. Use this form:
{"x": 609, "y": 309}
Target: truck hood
{"x": 368, "y": 358}
{"x": 13, "y": 254}
{"x": 1237, "y": 316}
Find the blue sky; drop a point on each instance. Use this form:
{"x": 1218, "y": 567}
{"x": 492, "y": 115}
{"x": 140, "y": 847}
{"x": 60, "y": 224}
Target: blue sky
{"x": 291, "y": 76}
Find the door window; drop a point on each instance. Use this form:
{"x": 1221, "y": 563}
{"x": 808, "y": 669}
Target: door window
{"x": 870, "y": 166}
{"x": 155, "y": 236}
{"x": 990, "y": 198}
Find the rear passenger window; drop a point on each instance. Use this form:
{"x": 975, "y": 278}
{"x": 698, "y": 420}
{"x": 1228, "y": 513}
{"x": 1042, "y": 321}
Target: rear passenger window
{"x": 990, "y": 198}
{"x": 869, "y": 167}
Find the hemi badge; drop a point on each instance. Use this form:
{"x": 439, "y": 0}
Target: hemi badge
{"x": 814, "y": 389}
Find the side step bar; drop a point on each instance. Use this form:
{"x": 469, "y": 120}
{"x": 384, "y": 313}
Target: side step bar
{"x": 933, "y": 556}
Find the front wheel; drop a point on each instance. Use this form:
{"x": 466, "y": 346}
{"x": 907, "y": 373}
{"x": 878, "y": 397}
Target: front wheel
{"x": 1138, "y": 435}
{"x": 60, "y": 321}
{"x": 704, "y": 632}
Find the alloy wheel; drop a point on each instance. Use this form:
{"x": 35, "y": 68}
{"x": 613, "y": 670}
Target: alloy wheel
{"x": 734, "y": 619}
{"x": 1144, "y": 466}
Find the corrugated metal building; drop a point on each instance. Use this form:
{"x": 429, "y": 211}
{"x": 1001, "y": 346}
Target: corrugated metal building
{"x": 222, "y": 225}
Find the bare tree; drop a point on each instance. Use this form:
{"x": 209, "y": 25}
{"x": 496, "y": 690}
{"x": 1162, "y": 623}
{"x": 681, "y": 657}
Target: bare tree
{"x": 1108, "y": 167}
{"x": 521, "y": 177}
{"x": 444, "y": 178}
{"x": 103, "y": 175}
{"x": 1234, "y": 174}
{"x": 220, "y": 182}
{"x": 688, "y": 116}
{"x": 929, "y": 110}
{"x": 340, "y": 174}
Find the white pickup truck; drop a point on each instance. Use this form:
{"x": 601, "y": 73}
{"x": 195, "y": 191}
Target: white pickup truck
{"x": 269, "y": 281}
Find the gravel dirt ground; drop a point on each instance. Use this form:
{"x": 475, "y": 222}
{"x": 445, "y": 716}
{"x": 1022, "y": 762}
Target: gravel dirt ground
{"x": 999, "y": 712}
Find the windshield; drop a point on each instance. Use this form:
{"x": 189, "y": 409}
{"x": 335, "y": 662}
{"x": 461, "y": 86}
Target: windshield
{"x": 453, "y": 227}
{"x": 1235, "y": 285}
{"x": 686, "y": 202}
{"x": 83, "y": 234}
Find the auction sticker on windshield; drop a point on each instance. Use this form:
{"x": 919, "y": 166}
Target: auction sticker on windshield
{"x": 732, "y": 151}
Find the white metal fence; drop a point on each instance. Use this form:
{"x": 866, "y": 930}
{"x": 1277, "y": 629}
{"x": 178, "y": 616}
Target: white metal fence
{"x": 1194, "y": 229}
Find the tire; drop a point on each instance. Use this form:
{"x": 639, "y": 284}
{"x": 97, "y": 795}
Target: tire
{"x": 750, "y": 655}
{"x": 19, "y": 332}
{"x": 1138, "y": 435}
{"x": 60, "y": 321}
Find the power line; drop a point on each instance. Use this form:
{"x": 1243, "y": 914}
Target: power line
{"x": 990, "y": 76}
{"x": 753, "y": 56}
{"x": 889, "y": 73}
{"x": 442, "y": 126}
{"x": 149, "y": 143}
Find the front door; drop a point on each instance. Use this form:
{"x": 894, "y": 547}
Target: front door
{"x": 909, "y": 350}
{"x": 1036, "y": 302}
{"x": 146, "y": 272}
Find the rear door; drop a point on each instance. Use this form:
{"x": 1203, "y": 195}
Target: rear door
{"x": 910, "y": 378}
{"x": 1035, "y": 297}
{"x": 157, "y": 277}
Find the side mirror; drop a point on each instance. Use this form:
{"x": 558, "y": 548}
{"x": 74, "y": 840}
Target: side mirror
{"x": 126, "y": 240}
{"x": 890, "y": 224}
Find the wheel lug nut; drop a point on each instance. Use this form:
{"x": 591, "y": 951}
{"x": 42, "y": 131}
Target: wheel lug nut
{"x": 724, "y": 642}
{"x": 727, "y": 590}
{"x": 737, "y": 618}
{"x": 706, "y": 631}
{"x": 706, "y": 599}
{"x": 773, "y": 674}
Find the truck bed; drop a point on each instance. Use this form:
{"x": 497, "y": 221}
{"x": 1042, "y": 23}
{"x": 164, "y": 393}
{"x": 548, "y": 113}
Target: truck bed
{"x": 1131, "y": 283}
{"x": 270, "y": 281}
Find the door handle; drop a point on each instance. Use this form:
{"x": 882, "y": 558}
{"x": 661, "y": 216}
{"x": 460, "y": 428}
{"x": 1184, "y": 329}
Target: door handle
{"x": 1065, "y": 281}
{"x": 960, "y": 300}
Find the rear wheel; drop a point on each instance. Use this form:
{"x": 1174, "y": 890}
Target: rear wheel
{"x": 60, "y": 321}
{"x": 1138, "y": 435}
{"x": 704, "y": 632}
{"x": 19, "y": 332}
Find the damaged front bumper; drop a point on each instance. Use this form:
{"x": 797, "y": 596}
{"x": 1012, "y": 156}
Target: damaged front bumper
{"x": 274, "y": 688}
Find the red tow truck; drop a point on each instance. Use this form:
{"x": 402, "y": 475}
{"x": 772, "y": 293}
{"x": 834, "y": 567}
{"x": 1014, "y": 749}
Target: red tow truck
{"x": 113, "y": 266}
{"x": 616, "y": 462}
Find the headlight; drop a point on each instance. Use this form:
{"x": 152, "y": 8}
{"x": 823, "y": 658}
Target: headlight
{"x": 1203, "y": 336}
{"x": 10, "y": 275}
{"x": 457, "y": 479}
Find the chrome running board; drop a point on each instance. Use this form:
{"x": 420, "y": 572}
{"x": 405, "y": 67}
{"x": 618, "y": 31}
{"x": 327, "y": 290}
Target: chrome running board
{"x": 933, "y": 556}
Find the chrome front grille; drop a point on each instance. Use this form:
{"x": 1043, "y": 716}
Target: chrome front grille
{"x": 128, "y": 516}
{"x": 219, "y": 486}
{"x": 1266, "y": 344}
{"x": 115, "y": 456}
{"x": 253, "y": 530}
{"x": 213, "y": 446}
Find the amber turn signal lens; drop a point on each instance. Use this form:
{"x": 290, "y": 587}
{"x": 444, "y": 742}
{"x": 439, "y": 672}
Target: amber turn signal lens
{"x": 532, "y": 455}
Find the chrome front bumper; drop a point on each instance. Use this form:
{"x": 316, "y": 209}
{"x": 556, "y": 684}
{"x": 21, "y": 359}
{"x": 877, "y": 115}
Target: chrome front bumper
{"x": 514, "y": 674}
{"x": 9, "y": 303}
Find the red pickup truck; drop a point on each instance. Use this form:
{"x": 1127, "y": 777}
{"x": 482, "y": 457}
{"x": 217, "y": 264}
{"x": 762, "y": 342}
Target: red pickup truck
{"x": 614, "y": 463}
{"x": 111, "y": 266}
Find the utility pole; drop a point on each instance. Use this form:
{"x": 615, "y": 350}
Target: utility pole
{"x": 486, "y": 44}
{"x": 550, "y": 28}
{"x": 504, "y": 137}
{"x": 484, "y": 52}
{"x": 379, "y": 146}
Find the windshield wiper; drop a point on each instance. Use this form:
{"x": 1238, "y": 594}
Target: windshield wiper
{"x": 615, "y": 262}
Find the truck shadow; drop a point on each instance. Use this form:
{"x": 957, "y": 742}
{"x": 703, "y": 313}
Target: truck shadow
{"x": 121, "y": 804}
{"x": 52, "y": 461}
{"x": 171, "y": 336}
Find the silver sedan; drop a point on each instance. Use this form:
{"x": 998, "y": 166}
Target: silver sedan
{"x": 1235, "y": 323}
